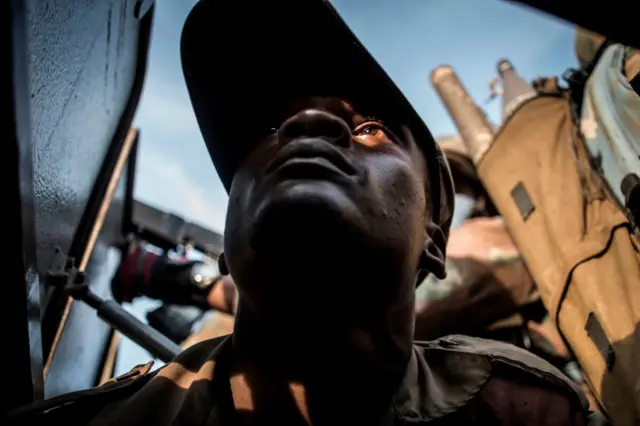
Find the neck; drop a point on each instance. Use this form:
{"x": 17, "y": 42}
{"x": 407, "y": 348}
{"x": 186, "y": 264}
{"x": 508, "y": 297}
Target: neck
{"x": 310, "y": 376}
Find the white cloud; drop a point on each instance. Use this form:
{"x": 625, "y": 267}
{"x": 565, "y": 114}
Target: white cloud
{"x": 174, "y": 171}
{"x": 166, "y": 184}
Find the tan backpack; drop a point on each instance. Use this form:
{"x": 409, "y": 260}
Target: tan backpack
{"x": 577, "y": 243}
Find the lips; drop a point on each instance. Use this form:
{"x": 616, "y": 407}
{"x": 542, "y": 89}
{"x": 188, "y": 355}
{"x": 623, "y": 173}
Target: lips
{"x": 311, "y": 154}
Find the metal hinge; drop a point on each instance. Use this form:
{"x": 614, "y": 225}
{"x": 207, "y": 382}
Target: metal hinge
{"x": 64, "y": 274}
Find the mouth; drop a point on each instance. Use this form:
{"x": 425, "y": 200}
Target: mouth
{"x": 310, "y": 159}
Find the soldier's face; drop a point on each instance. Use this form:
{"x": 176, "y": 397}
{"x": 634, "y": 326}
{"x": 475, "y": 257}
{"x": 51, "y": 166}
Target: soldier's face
{"x": 330, "y": 186}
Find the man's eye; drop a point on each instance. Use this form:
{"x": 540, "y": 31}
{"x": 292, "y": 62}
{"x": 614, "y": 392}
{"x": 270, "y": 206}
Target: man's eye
{"x": 372, "y": 129}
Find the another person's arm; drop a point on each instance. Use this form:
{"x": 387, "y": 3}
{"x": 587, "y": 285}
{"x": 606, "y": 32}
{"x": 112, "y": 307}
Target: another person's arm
{"x": 481, "y": 297}
{"x": 223, "y": 295}
{"x": 486, "y": 281}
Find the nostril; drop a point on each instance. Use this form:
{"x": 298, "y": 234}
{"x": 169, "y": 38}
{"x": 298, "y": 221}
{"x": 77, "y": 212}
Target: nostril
{"x": 294, "y": 129}
{"x": 335, "y": 129}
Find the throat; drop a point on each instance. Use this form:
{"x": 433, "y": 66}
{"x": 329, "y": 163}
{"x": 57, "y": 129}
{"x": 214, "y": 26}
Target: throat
{"x": 264, "y": 399}
{"x": 284, "y": 377}
{"x": 259, "y": 400}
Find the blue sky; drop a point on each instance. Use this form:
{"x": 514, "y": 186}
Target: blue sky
{"x": 408, "y": 37}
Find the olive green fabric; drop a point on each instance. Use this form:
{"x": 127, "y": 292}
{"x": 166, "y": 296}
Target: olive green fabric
{"x": 454, "y": 380}
{"x": 585, "y": 44}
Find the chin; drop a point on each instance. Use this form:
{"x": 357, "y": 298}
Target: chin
{"x": 305, "y": 214}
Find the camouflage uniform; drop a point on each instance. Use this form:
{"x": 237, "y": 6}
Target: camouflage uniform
{"x": 470, "y": 381}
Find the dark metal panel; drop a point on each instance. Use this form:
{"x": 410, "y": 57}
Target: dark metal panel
{"x": 20, "y": 301}
{"x": 83, "y": 339}
{"x": 88, "y": 60}
{"x": 83, "y": 56}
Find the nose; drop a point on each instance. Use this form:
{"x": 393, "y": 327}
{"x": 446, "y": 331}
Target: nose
{"x": 314, "y": 123}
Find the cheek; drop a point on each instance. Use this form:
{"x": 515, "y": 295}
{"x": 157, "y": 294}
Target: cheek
{"x": 236, "y": 232}
{"x": 399, "y": 184}
{"x": 249, "y": 174}
{"x": 239, "y": 204}
{"x": 240, "y": 188}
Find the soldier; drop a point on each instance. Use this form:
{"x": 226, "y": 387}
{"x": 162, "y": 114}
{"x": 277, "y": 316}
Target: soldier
{"x": 332, "y": 177}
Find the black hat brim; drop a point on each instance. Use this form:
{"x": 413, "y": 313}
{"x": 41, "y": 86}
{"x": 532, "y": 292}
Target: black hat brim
{"x": 240, "y": 57}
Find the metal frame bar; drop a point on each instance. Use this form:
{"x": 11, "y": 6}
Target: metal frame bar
{"x": 129, "y": 202}
{"x": 167, "y": 231}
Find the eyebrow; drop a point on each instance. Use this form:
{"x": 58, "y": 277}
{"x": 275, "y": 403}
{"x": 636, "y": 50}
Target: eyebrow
{"x": 355, "y": 116}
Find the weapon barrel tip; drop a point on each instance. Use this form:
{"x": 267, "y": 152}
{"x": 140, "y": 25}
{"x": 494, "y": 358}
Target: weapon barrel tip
{"x": 503, "y": 65}
{"x": 439, "y": 72}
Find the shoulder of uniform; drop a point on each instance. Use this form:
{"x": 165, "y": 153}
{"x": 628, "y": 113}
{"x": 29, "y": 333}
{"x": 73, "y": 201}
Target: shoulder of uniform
{"x": 118, "y": 387}
{"x": 505, "y": 355}
{"x": 87, "y": 400}
{"x": 138, "y": 371}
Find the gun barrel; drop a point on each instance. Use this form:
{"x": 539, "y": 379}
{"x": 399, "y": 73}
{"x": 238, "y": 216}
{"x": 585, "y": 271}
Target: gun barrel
{"x": 471, "y": 122}
{"x": 149, "y": 338}
{"x": 515, "y": 90}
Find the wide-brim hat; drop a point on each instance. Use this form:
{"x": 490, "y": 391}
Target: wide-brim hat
{"x": 240, "y": 57}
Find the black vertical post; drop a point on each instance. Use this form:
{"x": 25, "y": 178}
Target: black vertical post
{"x": 21, "y": 356}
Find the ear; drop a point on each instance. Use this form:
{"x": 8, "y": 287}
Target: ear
{"x": 222, "y": 265}
{"x": 434, "y": 254}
